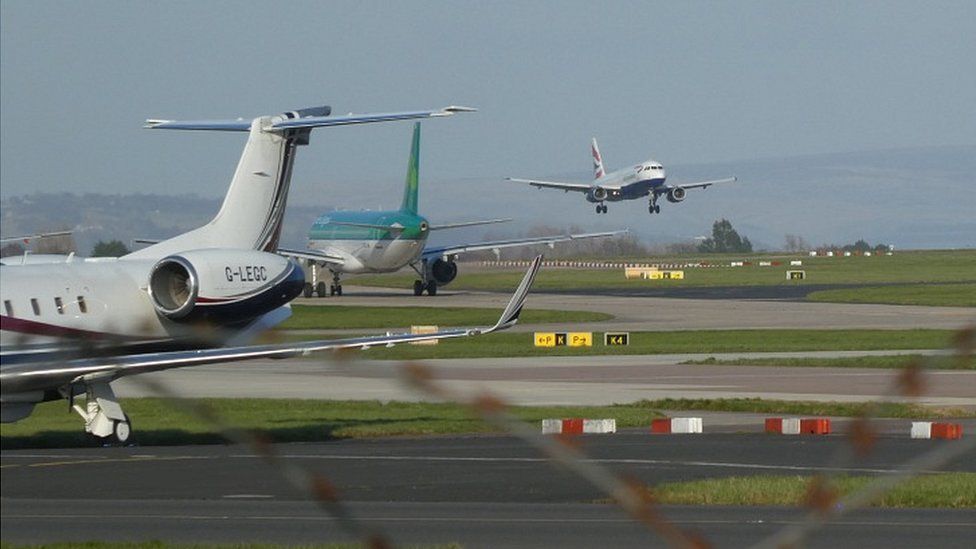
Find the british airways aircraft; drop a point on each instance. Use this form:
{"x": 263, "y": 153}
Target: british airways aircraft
{"x": 645, "y": 179}
{"x": 223, "y": 276}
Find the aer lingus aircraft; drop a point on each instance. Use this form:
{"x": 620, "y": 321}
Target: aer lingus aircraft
{"x": 223, "y": 275}
{"x": 644, "y": 179}
{"x": 357, "y": 242}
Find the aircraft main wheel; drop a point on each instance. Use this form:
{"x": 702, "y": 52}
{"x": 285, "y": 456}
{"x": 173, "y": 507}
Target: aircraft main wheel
{"x": 338, "y": 290}
{"x": 320, "y": 289}
{"x": 431, "y": 288}
{"x": 307, "y": 290}
{"x": 599, "y": 209}
{"x": 657, "y": 209}
{"x": 332, "y": 290}
{"x": 418, "y": 287}
{"x": 121, "y": 430}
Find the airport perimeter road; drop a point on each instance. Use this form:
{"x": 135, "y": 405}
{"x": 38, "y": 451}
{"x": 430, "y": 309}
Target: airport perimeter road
{"x": 596, "y": 380}
{"x": 481, "y": 491}
{"x": 635, "y": 313}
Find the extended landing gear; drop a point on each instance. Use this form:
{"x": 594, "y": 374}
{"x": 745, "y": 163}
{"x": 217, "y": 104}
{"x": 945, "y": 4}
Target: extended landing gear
{"x": 652, "y": 207}
{"x": 601, "y": 208}
{"x": 419, "y": 287}
{"x": 103, "y": 416}
{"x": 320, "y": 289}
{"x": 308, "y": 290}
{"x": 336, "y": 288}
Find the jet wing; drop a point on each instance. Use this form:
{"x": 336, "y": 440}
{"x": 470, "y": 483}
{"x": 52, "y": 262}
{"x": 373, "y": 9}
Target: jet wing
{"x": 242, "y": 125}
{"x": 704, "y": 184}
{"x": 43, "y": 376}
{"x": 578, "y": 187}
{"x": 447, "y": 251}
{"x": 312, "y": 255}
{"x": 469, "y": 224}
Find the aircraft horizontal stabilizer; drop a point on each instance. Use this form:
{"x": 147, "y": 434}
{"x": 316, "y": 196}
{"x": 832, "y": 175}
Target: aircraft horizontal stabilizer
{"x": 303, "y": 119}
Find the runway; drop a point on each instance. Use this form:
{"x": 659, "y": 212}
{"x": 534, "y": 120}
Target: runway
{"x": 637, "y": 313}
{"x": 482, "y": 491}
{"x": 584, "y": 380}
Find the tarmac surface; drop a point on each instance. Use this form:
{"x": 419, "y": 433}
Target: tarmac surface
{"x": 483, "y": 491}
{"x": 637, "y": 313}
{"x": 580, "y": 380}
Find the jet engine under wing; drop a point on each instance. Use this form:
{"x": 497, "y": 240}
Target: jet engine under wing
{"x": 311, "y": 255}
{"x": 44, "y": 376}
{"x": 704, "y": 184}
{"x": 578, "y": 187}
{"x": 447, "y": 251}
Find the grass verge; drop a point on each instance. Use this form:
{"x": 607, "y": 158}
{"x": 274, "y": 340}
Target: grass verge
{"x": 158, "y": 422}
{"x": 942, "y": 295}
{"x": 336, "y": 317}
{"x": 517, "y": 344}
{"x": 946, "y": 490}
{"x": 929, "y": 266}
{"x": 887, "y": 361}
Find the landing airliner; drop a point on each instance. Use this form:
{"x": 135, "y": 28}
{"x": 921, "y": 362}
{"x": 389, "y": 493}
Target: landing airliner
{"x": 645, "y": 179}
{"x": 386, "y": 241}
{"x": 223, "y": 275}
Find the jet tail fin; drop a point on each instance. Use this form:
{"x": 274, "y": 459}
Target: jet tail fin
{"x": 598, "y": 170}
{"x": 254, "y": 206}
{"x": 411, "y": 187}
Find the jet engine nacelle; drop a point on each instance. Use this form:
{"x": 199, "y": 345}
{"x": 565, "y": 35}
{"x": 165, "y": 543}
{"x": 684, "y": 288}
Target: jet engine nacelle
{"x": 596, "y": 194}
{"x": 676, "y": 194}
{"x": 442, "y": 271}
{"x": 225, "y": 286}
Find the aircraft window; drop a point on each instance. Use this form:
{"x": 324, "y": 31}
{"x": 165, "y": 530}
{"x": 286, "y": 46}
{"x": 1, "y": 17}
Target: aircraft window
{"x": 59, "y": 304}
{"x": 8, "y": 307}
{"x": 82, "y": 306}
{"x": 36, "y": 306}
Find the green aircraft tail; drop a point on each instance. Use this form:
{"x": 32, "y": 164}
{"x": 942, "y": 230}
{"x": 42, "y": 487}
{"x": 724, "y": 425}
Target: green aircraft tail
{"x": 411, "y": 189}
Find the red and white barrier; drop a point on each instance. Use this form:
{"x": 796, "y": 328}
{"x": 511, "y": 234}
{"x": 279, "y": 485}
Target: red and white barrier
{"x": 796, "y": 426}
{"x": 676, "y": 425}
{"x": 928, "y": 429}
{"x": 578, "y": 426}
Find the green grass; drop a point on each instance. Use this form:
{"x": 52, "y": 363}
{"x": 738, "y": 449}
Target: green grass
{"x": 331, "y": 317}
{"x": 946, "y": 490}
{"x": 942, "y": 295}
{"x": 902, "y": 267}
{"x": 804, "y": 408}
{"x": 159, "y": 422}
{"x": 887, "y": 361}
{"x": 512, "y": 344}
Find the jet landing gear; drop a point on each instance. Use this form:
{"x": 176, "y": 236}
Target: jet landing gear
{"x": 336, "y": 288}
{"x": 419, "y": 287}
{"x": 103, "y": 416}
{"x": 601, "y": 208}
{"x": 652, "y": 207}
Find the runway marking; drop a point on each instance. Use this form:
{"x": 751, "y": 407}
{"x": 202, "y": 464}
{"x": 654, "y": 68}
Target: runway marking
{"x": 132, "y": 459}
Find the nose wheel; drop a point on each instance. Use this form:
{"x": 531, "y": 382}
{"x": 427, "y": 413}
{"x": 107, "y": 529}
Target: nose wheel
{"x": 601, "y": 208}
{"x": 419, "y": 287}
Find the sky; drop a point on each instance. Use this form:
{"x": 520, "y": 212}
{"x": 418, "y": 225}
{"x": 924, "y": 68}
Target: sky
{"x": 682, "y": 82}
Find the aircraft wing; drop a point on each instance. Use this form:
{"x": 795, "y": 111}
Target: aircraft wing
{"x": 578, "y": 187}
{"x": 703, "y": 184}
{"x": 27, "y": 238}
{"x": 469, "y": 224}
{"x": 311, "y": 255}
{"x": 447, "y": 251}
{"x": 243, "y": 125}
{"x": 42, "y": 376}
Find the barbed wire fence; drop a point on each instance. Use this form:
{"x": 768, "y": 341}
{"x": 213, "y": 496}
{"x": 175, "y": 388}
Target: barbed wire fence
{"x": 821, "y": 504}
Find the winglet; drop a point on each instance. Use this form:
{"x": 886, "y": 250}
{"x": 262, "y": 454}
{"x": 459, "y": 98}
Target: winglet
{"x": 511, "y": 313}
